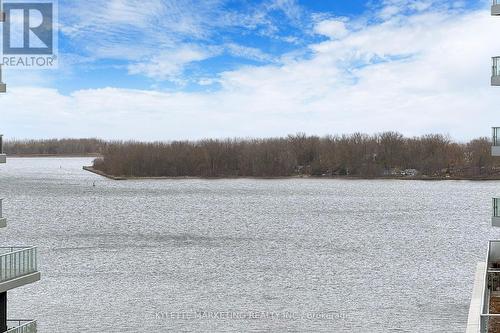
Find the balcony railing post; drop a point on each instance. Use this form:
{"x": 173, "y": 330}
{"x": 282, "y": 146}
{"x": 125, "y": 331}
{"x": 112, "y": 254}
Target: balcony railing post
{"x": 35, "y": 257}
{"x": 10, "y": 265}
{"x": 495, "y": 207}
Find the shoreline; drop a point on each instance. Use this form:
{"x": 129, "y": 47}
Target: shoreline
{"x": 51, "y": 155}
{"x": 103, "y": 174}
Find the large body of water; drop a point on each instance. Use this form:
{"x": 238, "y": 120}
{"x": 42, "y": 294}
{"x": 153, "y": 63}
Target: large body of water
{"x": 295, "y": 255}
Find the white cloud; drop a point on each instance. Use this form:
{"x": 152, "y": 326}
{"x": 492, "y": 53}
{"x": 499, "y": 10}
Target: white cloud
{"x": 332, "y": 28}
{"x": 147, "y": 32}
{"x": 248, "y": 52}
{"x": 206, "y": 81}
{"x": 389, "y": 11}
{"x": 290, "y": 7}
{"x": 419, "y": 73}
{"x": 168, "y": 65}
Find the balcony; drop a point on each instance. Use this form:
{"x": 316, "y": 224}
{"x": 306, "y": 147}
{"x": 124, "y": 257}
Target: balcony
{"x": 18, "y": 267}
{"x": 3, "y": 220}
{"x": 489, "y": 314}
{"x": 3, "y": 157}
{"x": 495, "y": 72}
{"x": 495, "y": 8}
{"x": 489, "y": 302}
{"x": 495, "y": 220}
{"x": 495, "y": 147}
{"x": 21, "y": 326}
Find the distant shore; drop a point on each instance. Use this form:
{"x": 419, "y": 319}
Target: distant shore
{"x": 422, "y": 178}
{"x": 387, "y": 155}
{"x": 51, "y": 155}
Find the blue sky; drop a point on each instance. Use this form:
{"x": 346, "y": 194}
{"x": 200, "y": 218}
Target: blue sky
{"x": 219, "y": 36}
{"x": 186, "y": 69}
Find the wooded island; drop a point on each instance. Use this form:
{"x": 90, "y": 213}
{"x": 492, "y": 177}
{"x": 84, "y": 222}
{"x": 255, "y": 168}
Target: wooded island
{"x": 358, "y": 155}
{"x": 388, "y": 154}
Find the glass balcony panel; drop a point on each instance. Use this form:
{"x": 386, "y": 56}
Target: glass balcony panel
{"x": 3, "y": 157}
{"x": 495, "y": 8}
{"x": 496, "y": 136}
{"x": 496, "y": 67}
{"x": 17, "y": 262}
{"x": 21, "y": 326}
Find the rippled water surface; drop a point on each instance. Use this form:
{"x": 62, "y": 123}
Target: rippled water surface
{"x": 243, "y": 255}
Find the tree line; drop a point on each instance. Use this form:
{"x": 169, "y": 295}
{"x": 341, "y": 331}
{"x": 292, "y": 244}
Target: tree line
{"x": 358, "y": 155}
{"x": 54, "y": 147}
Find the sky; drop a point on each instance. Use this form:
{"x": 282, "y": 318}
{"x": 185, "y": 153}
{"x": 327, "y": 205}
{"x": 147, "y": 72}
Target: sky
{"x": 189, "y": 69}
